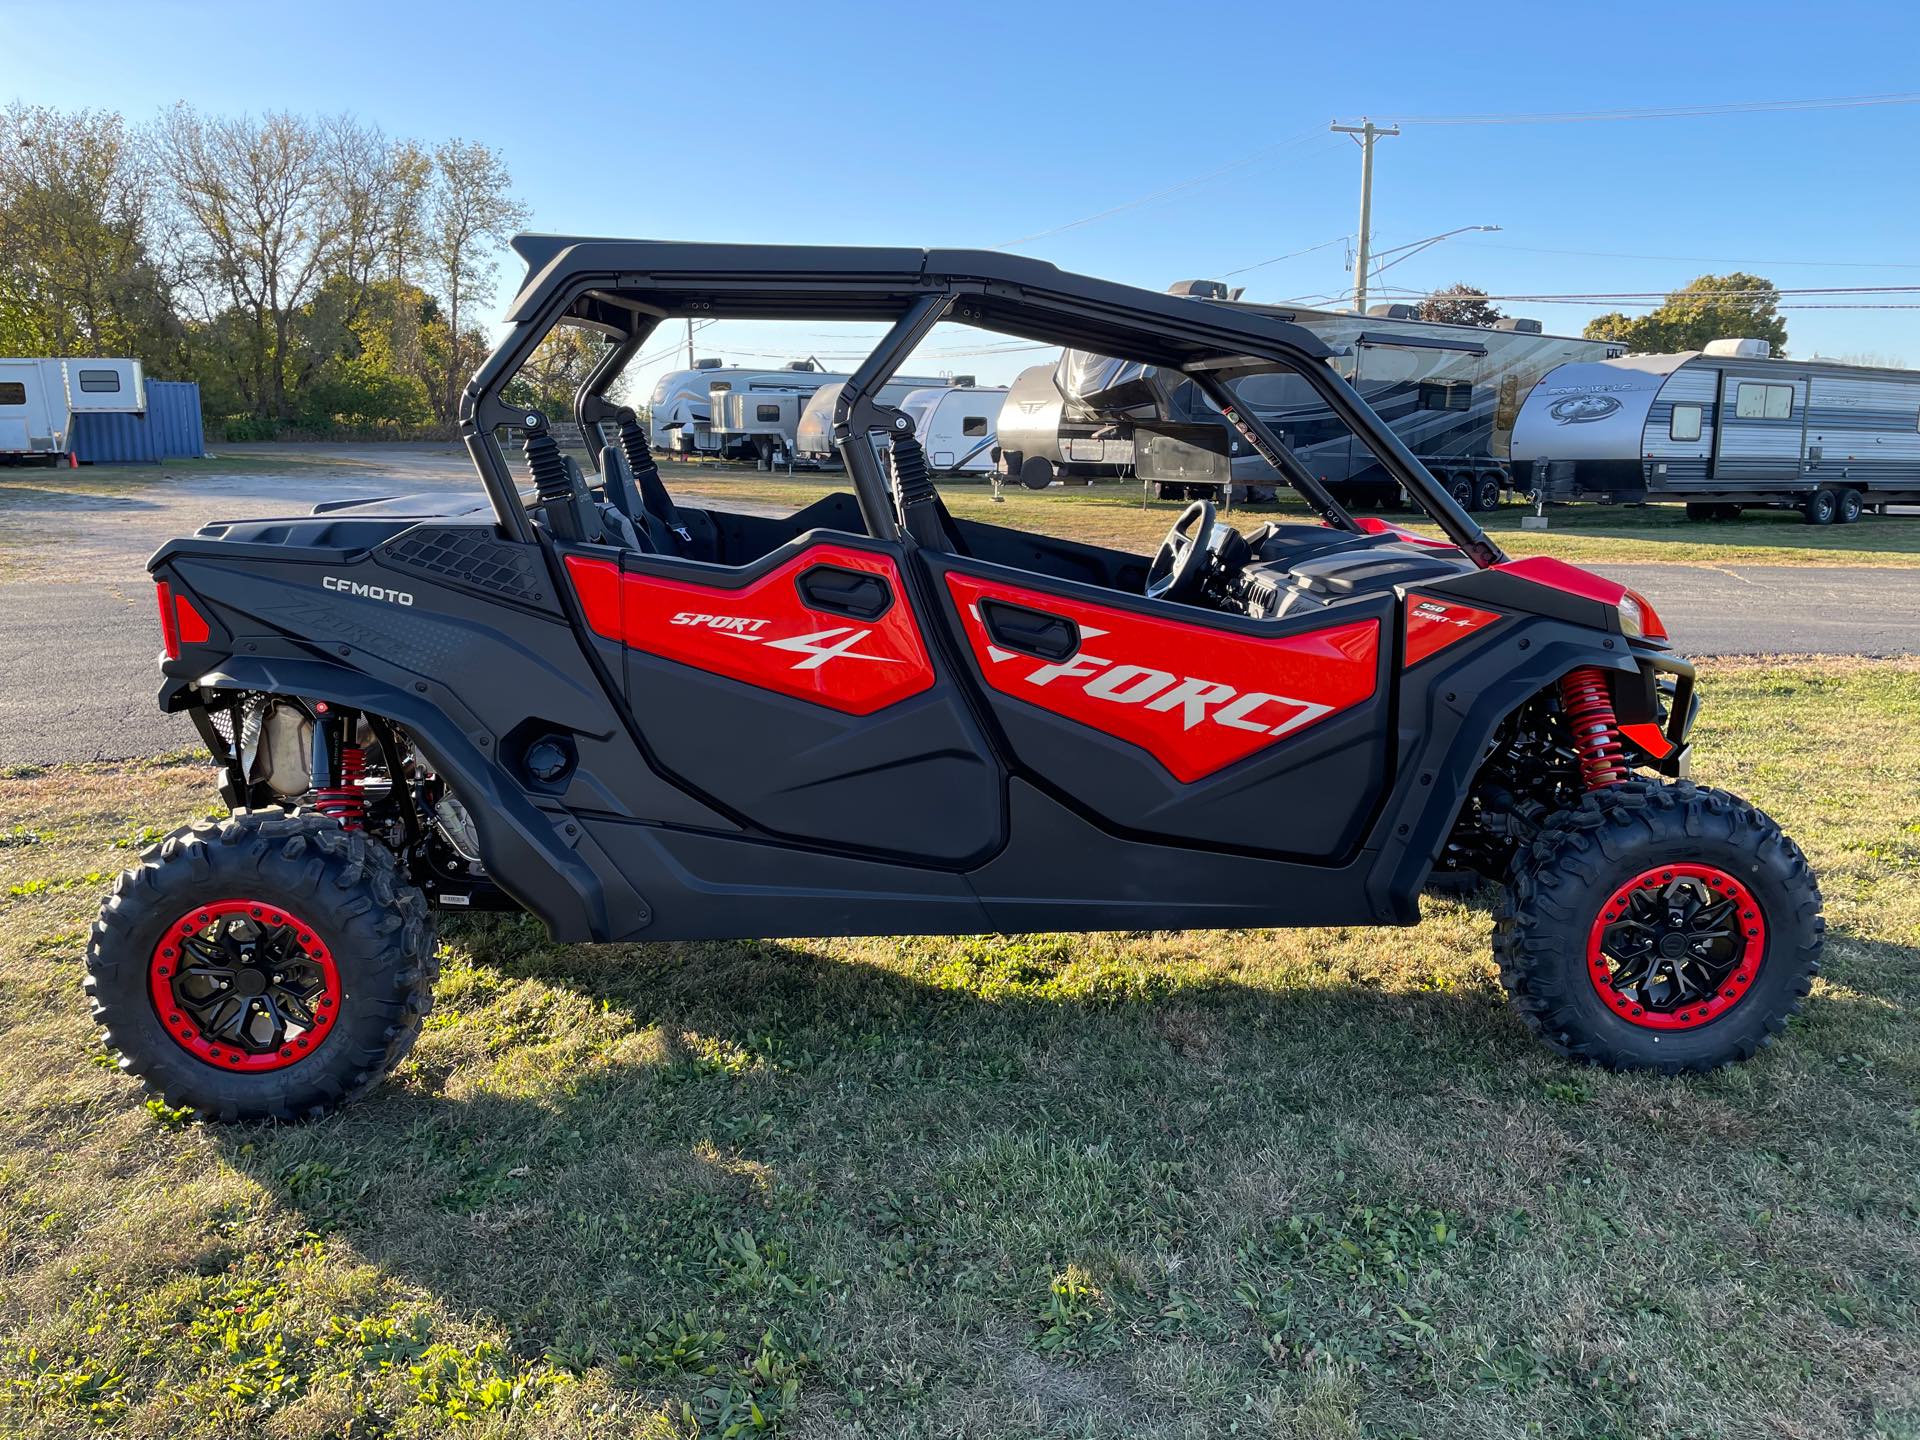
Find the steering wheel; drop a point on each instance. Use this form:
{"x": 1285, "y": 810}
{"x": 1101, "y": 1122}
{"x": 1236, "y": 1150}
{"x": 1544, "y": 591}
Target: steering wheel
{"x": 1180, "y": 565}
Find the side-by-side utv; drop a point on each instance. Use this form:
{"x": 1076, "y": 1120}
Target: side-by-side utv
{"x": 639, "y": 720}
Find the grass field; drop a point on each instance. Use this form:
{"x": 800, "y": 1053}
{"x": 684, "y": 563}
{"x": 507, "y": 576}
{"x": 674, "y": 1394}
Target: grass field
{"x": 1173, "y": 1185}
{"x": 1116, "y": 513}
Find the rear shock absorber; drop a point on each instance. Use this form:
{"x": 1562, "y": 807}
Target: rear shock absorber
{"x": 339, "y": 765}
{"x": 1594, "y": 728}
{"x": 914, "y": 482}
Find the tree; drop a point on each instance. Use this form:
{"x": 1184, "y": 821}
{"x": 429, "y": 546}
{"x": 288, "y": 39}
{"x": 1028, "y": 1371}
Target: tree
{"x": 1713, "y": 307}
{"x": 468, "y": 215}
{"x": 1460, "y": 305}
{"x": 555, "y": 371}
{"x": 76, "y": 218}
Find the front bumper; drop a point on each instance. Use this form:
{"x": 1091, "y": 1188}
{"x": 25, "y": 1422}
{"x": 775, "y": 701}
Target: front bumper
{"x": 1657, "y": 710}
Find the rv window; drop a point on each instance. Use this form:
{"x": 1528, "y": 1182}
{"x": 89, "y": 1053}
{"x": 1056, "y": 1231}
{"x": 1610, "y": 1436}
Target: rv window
{"x": 1762, "y": 402}
{"x": 765, "y": 413}
{"x": 1445, "y": 395}
{"x": 1685, "y": 424}
{"x": 974, "y": 425}
{"x": 100, "y": 382}
{"x": 12, "y": 392}
{"x": 718, "y": 386}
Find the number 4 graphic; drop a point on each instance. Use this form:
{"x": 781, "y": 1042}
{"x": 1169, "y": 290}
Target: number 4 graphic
{"x": 818, "y": 650}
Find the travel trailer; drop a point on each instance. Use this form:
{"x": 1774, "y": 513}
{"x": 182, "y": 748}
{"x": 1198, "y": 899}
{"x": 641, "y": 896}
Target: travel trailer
{"x": 761, "y": 419}
{"x": 1044, "y": 437}
{"x": 41, "y": 398}
{"x": 680, "y": 412}
{"x": 955, "y": 426}
{"x": 1724, "y": 428}
{"x": 813, "y": 436}
{"x": 1449, "y": 392}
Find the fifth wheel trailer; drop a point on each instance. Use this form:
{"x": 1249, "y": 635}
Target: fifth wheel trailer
{"x": 1723, "y": 428}
{"x": 680, "y": 411}
{"x": 1451, "y": 394}
{"x": 40, "y": 400}
{"x": 1044, "y": 435}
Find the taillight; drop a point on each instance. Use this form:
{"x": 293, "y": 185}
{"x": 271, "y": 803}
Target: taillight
{"x": 169, "y": 628}
{"x": 180, "y": 621}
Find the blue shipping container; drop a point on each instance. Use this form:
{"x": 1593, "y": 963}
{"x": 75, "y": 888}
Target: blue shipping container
{"x": 170, "y": 430}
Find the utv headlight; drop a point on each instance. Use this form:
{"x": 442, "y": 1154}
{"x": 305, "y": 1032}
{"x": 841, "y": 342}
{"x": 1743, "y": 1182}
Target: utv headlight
{"x": 1639, "y": 619}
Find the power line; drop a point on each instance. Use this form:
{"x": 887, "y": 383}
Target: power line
{"x": 1161, "y": 194}
{"x": 1700, "y": 259}
{"x": 1666, "y": 112}
{"x": 1290, "y": 255}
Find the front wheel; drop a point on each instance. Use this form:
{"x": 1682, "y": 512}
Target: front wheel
{"x": 1665, "y": 927}
{"x": 268, "y": 968}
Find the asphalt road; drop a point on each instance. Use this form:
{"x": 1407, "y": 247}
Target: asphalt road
{"x": 78, "y": 633}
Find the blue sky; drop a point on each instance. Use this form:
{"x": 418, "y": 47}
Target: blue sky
{"x": 981, "y": 123}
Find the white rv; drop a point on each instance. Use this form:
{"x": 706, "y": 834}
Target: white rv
{"x": 813, "y": 435}
{"x": 39, "y": 398}
{"x": 680, "y": 413}
{"x": 957, "y": 426}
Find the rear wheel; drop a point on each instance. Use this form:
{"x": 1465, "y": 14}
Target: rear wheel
{"x": 269, "y": 968}
{"x": 1821, "y": 507}
{"x": 1460, "y": 487}
{"x": 1851, "y": 504}
{"x": 1667, "y": 927}
{"x": 1487, "y": 493}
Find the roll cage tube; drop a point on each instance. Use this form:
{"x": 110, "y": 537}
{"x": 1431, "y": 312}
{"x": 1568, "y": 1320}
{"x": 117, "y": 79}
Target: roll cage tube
{"x": 856, "y": 415}
{"x": 624, "y": 288}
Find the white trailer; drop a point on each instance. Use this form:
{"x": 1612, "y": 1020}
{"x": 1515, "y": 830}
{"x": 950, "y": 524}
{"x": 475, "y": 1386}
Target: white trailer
{"x": 957, "y": 425}
{"x": 813, "y": 435}
{"x": 680, "y": 413}
{"x": 40, "y": 397}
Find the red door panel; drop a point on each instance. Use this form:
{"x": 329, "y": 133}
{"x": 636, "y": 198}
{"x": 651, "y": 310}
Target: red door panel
{"x": 764, "y": 633}
{"x": 1196, "y": 698}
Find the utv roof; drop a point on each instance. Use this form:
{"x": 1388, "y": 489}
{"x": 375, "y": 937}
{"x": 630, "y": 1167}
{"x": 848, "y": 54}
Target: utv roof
{"x": 624, "y": 285}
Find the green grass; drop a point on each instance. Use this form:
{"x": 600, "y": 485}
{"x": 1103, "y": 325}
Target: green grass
{"x": 1312, "y": 1183}
{"x": 1116, "y": 513}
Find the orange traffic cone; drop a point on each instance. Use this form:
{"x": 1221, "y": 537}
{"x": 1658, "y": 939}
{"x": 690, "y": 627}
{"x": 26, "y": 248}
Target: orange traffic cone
{"x": 73, "y": 461}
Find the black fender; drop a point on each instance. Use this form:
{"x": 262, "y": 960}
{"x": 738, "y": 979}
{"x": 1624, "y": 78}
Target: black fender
{"x": 1450, "y": 708}
{"x": 544, "y": 860}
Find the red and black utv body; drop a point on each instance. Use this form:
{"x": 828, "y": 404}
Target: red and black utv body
{"x": 639, "y": 721}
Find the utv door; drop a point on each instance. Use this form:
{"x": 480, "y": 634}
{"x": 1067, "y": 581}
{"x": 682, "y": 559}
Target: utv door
{"x": 1174, "y": 723}
{"x": 801, "y": 694}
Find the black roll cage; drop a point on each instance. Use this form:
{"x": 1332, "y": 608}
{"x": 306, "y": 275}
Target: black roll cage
{"x": 624, "y": 289}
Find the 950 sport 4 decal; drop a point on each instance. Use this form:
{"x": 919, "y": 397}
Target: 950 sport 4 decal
{"x": 765, "y": 633}
{"x": 1195, "y": 698}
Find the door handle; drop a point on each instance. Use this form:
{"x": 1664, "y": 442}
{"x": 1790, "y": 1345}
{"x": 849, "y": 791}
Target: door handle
{"x": 840, "y": 591}
{"x": 1030, "y": 632}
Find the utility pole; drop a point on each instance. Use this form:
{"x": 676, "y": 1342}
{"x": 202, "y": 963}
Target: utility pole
{"x": 1368, "y": 133}
{"x": 689, "y": 342}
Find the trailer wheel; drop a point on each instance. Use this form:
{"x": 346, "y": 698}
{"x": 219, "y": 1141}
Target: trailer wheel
{"x": 1460, "y": 487}
{"x": 1486, "y": 495}
{"x": 1036, "y": 472}
{"x": 1821, "y": 507}
{"x": 1852, "y": 504}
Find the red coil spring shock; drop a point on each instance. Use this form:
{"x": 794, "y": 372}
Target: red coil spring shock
{"x": 344, "y": 801}
{"x": 1595, "y": 730}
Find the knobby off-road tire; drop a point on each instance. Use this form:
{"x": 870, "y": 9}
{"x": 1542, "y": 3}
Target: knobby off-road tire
{"x": 353, "y": 932}
{"x": 1580, "y": 872}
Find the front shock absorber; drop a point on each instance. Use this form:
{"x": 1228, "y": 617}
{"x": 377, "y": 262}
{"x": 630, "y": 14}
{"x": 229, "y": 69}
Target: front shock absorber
{"x": 1594, "y": 728}
{"x": 339, "y": 765}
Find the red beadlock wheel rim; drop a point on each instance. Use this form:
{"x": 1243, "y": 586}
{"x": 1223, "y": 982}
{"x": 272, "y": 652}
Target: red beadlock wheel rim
{"x": 244, "y": 985}
{"x": 1676, "y": 947}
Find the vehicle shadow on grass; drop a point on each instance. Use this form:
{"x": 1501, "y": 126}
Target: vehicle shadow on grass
{"x": 782, "y": 1136}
